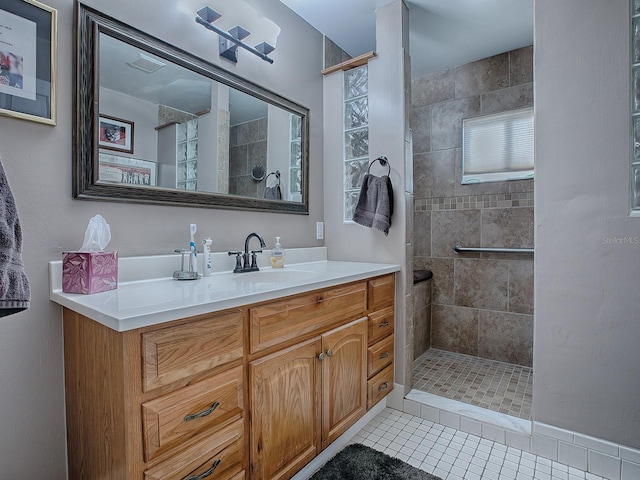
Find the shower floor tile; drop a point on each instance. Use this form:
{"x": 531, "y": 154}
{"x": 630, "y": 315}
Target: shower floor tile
{"x": 497, "y": 386}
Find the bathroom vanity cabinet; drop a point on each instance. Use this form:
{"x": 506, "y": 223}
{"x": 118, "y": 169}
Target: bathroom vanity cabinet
{"x": 156, "y": 403}
{"x": 253, "y": 392}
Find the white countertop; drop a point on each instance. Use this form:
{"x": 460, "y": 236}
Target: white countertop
{"x": 143, "y": 302}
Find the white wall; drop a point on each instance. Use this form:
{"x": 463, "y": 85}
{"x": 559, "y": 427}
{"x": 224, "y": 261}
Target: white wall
{"x": 144, "y": 116}
{"x": 387, "y": 129}
{"x": 278, "y": 147}
{"x": 587, "y": 325}
{"x": 37, "y": 160}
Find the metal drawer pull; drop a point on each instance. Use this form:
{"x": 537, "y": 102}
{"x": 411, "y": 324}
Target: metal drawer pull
{"x": 384, "y": 355}
{"x": 384, "y": 386}
{"x": 329, "y": 353}
{"x": 204, "y": 474}
{"x": 208, "y": 411}
{"x": 321, "y": 356}
{"x": 384, "y": 324}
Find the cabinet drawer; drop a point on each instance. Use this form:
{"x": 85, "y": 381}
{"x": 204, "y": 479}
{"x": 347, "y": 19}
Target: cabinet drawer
{"x": 174, "y": 353}
{"x": 185, "y": 413}
{"x": 380, "y": 324}
{"x": 382, "y": 292}
{"x": 220, "y": 453}
{"x": 379, "y": 355}
{"x": 279, "y": 321}
{"x": 379, "y": 386}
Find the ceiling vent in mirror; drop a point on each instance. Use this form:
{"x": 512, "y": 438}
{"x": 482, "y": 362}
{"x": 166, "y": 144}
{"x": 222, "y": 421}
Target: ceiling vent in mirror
{"x": 498, "y": 147}
{"x": 146, "y": 63}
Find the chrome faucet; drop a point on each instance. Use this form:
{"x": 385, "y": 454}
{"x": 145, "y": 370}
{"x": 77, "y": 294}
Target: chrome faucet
{"x": 247, "y": 261}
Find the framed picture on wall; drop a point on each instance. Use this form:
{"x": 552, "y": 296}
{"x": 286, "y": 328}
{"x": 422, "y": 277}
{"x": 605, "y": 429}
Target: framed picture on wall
{"x": 28, "y": 45}
{"x": 133, "y": 171}
{"x": 115, "y": 134}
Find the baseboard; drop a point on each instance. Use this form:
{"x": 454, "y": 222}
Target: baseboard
{"x": 589, "y": 454}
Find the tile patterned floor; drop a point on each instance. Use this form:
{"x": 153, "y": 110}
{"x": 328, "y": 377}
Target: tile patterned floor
{"x": 455, "y": 455}
{"x": 497, "y": 386}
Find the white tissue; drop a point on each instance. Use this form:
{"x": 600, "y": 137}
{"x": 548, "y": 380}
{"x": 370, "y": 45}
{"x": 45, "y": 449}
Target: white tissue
{"x": 97, "y": 236}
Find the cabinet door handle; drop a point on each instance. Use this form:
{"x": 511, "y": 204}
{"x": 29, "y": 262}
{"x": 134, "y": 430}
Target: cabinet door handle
{"x": 384, "y": 324}
{"x": 321, "y": 356}
{"x": 384, "y": 355}
{"x": 329, "y": 353}
{"x": 214, "y": 465}
{"x": 204, "y": 413}
{"x": 384, "y": 386}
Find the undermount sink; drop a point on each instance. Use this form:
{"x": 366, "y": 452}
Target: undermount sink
{"x": 284, "y": 275}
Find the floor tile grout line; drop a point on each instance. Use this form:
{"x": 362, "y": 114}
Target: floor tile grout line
{"x": 457, "y": 455}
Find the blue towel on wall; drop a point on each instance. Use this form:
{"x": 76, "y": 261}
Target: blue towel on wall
{"x": 15, "y": 294}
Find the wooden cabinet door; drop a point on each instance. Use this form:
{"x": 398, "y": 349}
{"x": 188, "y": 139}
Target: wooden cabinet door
{"x": 344, "y": 374}
{"x": 285, "y": 410}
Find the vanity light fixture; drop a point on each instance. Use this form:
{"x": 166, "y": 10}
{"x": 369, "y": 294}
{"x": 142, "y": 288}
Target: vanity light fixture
{"x": 230, "y": 41}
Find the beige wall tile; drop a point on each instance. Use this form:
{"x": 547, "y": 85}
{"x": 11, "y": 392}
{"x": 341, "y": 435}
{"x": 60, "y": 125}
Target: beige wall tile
{"x": 452, "y": 227}
{"x": 421, "y": 295}
{"x": 434, "y": 88}
{"x": 442, "y": 282}
{"x": 521, "y": 286}
{"x": 521, "y": 66}
{"x": 481, "y": 284}
{"x": 507, "y": 227}
{"x": 422, "y": 234}
{"x": 482, "y": 76}
{"x": 505, "y": 337}
{"x": 421, "y": 331}
{"x": 433, "y": 174}
{"x": 519, "y": 96}
{"x": 446, "y": 121}
{"x": 454, "y": 329}
{"x": 421, "y": 126}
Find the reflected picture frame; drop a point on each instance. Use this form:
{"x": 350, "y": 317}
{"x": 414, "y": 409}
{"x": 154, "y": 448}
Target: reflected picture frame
{"x": 115, "y": 134}
{"x": 127, "y": 170}
{"x": 28, "y": 49}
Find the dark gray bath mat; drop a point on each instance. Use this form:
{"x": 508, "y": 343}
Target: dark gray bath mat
{"x": 357, "y": 462}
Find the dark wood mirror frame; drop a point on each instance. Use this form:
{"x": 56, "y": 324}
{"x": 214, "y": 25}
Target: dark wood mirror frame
{"x": 89, "y": 24}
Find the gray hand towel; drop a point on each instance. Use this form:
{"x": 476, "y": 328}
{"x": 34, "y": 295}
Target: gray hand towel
{"x": 375, "y": 204}
{"x": 272, "y": 193}
{"x": 15, "y": 294}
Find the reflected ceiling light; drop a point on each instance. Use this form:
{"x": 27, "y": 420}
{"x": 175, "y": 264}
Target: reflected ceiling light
{"x": 230, "y": 41}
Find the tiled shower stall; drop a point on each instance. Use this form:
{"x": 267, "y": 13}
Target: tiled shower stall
{"x": 481, "y": 304}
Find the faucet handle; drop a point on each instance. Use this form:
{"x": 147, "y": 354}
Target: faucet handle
{"x": 254, "y": 259}
{"x": 239, "y": 255}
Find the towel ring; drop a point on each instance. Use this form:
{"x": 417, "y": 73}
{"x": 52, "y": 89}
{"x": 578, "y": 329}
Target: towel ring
{"x": 383, "y": 161}
{"x": 277, "y": 174}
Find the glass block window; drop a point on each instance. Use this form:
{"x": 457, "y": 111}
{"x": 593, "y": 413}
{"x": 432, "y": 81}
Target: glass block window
{"x": 295, "y": 158}
{"x": 634, "y": 187}
{"x": 498, "y": 147}
{"x": 356, "y": 136}
{"x": 187, "y": 155}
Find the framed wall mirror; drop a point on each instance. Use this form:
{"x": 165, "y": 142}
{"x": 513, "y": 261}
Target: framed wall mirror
{"x": 155, "y": 124}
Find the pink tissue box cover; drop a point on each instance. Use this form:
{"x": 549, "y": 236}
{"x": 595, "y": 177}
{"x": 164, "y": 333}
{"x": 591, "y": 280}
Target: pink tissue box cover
{"x": 89, "y": 272}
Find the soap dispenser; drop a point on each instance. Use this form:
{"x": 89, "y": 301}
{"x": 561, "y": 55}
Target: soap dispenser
{"x": 277, "y": 255}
